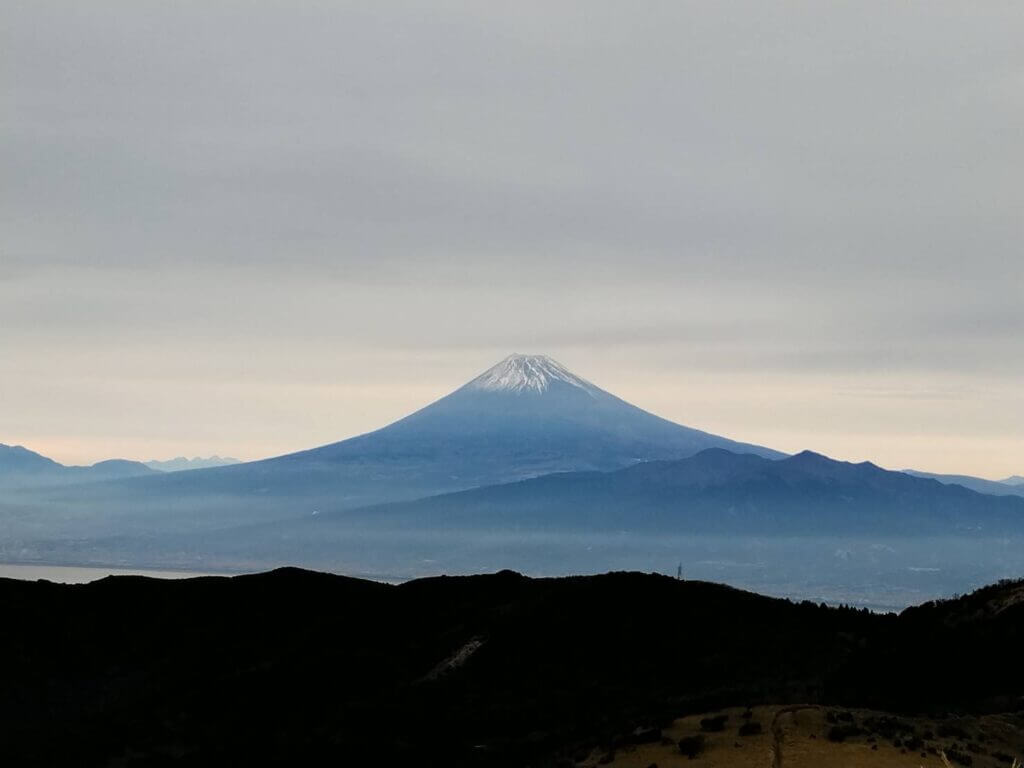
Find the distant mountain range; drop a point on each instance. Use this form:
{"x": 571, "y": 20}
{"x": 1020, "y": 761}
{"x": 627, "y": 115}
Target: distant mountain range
{"x": 20, "y": 467}
{"x": 782, "y": 524}
{"x": 182, "y": 464}
{"x": 995, "y": 487}
{"x": 1013, "y": 480}
{"x": 714, "y": 492}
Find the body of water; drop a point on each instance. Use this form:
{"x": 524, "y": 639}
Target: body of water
{"x": 75, "y": 574}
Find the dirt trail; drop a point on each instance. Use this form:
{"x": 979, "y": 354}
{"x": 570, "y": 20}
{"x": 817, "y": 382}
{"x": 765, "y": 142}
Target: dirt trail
{"x": 778, "y": 738}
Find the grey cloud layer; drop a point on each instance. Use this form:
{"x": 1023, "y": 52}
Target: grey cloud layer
{"x": 797, "y": 186}
{"x": 686, "y": 134}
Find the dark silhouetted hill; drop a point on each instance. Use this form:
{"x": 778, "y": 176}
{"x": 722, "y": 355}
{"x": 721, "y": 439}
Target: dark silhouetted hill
{"x": 301, "y": 668}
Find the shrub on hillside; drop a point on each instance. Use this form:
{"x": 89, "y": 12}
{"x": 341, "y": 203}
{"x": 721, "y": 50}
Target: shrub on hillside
{"x": 750, "y": 728}
{"x": 839, "y": 733}
{"x": 691, "y": 746}
{"x": 948, "y": 730}
{"x": 713, "y": 724}
{"x": 888, "y": 726}
{"x": 645, "y": 735}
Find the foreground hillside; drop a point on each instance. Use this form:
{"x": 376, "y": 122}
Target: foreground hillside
{"x": 810, "y": 736}
{"x": 290, "y": 665}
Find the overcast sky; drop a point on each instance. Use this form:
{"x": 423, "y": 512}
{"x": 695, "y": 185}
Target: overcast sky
{"x": 248, "y": 228}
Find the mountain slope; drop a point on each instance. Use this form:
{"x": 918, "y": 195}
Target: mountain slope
{"x": 19, "y": 460}
{"x": 525, "y": 417}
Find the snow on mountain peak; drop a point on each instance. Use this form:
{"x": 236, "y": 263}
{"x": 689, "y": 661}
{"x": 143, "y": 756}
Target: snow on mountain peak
{"x": 527, "y": 373}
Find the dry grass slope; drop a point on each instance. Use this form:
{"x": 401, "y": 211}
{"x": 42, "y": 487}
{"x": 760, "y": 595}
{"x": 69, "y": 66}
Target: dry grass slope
{"x": 813, "y": 736}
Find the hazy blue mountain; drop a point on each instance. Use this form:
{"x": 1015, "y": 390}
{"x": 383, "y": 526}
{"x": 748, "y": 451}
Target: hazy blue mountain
{"x": 719, "y": 492}
{"x": 111, "y": 469}
{"x": 181, "y": 463}
{"x": 527, "y": 416}
{"x": 17, "y": 459}
{"x": 1013, "y": 480}
{"x": 993, "y": 487}
{"x": 20, "y": 467}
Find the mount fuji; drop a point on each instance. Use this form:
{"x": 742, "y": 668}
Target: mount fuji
{"x": 526, "y": 416}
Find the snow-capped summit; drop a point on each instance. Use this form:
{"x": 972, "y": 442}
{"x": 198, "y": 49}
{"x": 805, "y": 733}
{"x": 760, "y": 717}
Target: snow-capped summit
{"x": 527, "y": 373}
